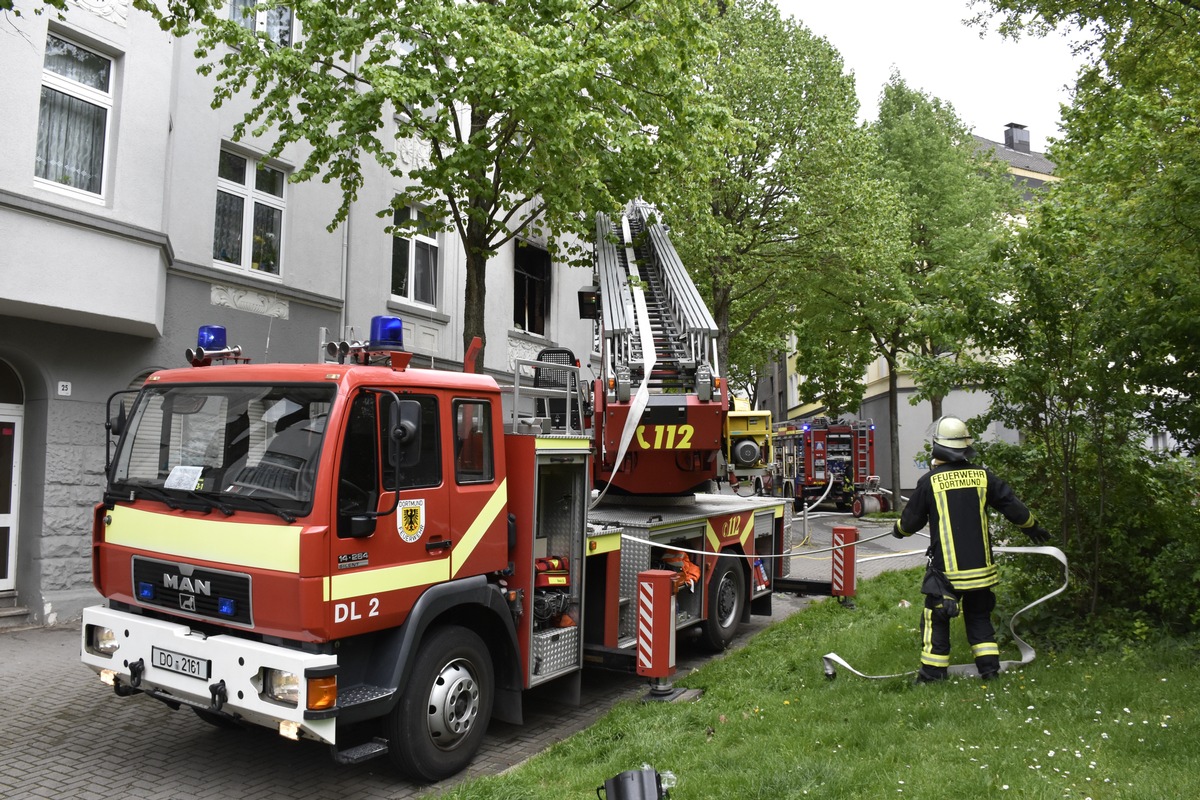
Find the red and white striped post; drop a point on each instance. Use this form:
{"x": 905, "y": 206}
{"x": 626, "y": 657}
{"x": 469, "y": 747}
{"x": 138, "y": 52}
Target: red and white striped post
{"x": 656, "y": 624}
{"x": 844, "y": 539}
{"x": 656, "y": 632}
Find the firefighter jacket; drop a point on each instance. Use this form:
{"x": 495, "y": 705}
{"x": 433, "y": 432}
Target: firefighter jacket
{"x": 953, "y": 499}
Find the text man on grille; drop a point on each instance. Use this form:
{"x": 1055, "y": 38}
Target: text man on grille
{"x": 953, "y": 498}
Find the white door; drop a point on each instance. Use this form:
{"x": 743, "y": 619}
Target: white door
{"x": 10, "y": 492}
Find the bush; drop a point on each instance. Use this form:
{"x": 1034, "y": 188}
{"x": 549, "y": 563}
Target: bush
{"x": 1128, "y": 524}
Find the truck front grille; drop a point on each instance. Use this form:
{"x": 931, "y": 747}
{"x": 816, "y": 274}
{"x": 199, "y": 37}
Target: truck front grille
{"x": 193, "y": 591}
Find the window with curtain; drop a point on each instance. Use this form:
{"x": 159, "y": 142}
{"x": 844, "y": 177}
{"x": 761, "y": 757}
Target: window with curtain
{"x": 250, "y": 204}
{"x": 76, "y": 106}
{"x": 275, "y": 22}
{"x": 415, "y": 258}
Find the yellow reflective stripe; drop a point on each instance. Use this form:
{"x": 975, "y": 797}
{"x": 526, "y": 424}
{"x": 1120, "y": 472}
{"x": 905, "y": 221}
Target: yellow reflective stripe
{"x": 934, "y": 660}
{"x": 237, "y": 544}
{"x": 607, "y": 543}
{"x": 945, "y": 533}
{"x": 564, "y": 443}
{"x": 985, "y": 649}
{"x": 387, "y": 579}
{"x": 487, "y": 515}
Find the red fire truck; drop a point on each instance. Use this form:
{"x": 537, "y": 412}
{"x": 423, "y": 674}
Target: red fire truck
{"x": 809, "y": 454}
{"x": 382, "y": 558}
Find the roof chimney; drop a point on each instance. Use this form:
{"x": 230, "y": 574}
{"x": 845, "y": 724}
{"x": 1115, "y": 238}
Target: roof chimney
{"x": 1016, "y": 138}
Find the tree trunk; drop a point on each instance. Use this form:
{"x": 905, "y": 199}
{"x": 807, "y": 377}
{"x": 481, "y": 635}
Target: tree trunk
{"x": 721, "y": 317}
{"x": 475, "y": 301}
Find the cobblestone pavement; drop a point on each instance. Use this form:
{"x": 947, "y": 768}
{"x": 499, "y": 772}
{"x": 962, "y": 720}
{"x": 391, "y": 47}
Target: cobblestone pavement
{"x": 68, "y": 736}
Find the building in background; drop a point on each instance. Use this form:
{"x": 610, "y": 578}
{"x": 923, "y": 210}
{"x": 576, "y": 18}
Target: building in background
{"x": 130, "y": 217}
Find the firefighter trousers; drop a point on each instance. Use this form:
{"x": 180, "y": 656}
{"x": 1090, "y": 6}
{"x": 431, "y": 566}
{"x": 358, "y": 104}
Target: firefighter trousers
{"x": 976, "y": 606}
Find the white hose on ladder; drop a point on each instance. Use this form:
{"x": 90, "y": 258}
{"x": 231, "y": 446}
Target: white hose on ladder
{"x": 649, "y": 360}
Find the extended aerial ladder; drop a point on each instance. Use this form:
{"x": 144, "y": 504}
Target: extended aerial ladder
{"x": 660, "y": 403}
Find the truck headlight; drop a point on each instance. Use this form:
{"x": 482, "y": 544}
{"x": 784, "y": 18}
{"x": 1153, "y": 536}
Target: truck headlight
{"x": 282, "y": 686}
{"x": 102, "y": 641}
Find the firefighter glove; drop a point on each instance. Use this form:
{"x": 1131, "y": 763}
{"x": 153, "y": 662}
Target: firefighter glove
{"x": 1038, "y": 534}
{"x": 896, "y": 530}
{"x": 949, "y": 607}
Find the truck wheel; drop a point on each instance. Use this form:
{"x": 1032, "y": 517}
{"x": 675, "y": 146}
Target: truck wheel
{"x": 437, "y": 726}
{"x": 726, "y": 598}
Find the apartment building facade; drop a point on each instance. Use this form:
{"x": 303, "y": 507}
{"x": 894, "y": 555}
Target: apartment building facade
{"x": 129, "y": 217}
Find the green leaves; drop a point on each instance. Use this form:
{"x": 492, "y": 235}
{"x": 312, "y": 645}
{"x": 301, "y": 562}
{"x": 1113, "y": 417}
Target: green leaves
{"x": 785, "y": 203}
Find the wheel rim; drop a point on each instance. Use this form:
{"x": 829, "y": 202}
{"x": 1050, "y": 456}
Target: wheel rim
{"x": 453, "y": 704}
{"x": 727, "y": 601}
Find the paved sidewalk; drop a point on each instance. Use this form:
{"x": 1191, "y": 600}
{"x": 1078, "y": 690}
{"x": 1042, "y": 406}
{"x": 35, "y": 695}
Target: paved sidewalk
{"x": 68, "y": 736}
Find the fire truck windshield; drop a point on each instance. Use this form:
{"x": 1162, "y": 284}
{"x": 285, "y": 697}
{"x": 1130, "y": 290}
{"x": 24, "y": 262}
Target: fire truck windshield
{"x": 227, "y": 443}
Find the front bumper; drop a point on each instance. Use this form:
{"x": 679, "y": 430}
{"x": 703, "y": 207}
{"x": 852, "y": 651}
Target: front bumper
{"x": 223, "y": 673}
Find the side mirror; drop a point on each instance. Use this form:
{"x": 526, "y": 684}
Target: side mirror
{"x": 404, "y": 427}
{"x": 116, "y": 425}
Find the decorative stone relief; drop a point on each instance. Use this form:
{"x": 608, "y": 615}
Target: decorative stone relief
{"x": 246, "y": 300}
{"x": 522, "y": 349}
{"x": 413, "y": 152}
{"x": 115, "y": 11}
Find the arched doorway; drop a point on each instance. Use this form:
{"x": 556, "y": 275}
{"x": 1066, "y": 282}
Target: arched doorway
{"x": 12, "y": 407}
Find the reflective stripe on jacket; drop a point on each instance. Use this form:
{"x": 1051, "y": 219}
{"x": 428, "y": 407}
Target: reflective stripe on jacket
{"x": 953, "y": 499}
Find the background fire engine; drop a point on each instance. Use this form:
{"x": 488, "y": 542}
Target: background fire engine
{"x": 811, "y": 454}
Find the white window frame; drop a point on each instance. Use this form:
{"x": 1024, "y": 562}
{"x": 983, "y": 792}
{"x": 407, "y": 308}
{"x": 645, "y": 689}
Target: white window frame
{"x": 92, "y": 96}
{"x": 251, "y": 195}
{"x": 414, "y": 237}
{"x": 258, "y": 22}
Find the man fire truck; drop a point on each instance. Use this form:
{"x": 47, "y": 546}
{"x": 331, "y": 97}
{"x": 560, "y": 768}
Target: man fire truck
{"x": 382, "y": 558}
{"x": 812, "y": 453}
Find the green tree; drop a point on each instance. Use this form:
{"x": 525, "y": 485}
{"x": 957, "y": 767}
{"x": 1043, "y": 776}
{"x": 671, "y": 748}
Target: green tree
{"x": 532, "y": 112}
{"x": 956, "y": 202}
{"x": 1131, "y": 157}
{"x": 1092, "y": 349}
{"x": 789, "y": 194}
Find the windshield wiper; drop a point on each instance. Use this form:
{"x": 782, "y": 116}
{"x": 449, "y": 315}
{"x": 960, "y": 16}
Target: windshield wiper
{"x": 199, "y": 502}
{"x": 267, "y": 505}
{"x": 136, "y": 490}
{"x": 210, "y": 501}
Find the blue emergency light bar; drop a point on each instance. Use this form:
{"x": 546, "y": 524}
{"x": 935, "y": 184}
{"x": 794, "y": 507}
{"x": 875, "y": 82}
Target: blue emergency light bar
{"x": 387, "y": 333}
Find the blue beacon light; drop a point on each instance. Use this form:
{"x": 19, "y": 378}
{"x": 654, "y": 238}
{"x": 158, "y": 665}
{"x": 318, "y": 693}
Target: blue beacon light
{"x": 226, "y": 606}
{"x": 387, "y": 333}
{"x": 211, "y": 337}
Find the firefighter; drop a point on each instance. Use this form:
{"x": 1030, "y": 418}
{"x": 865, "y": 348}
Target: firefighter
{"x": 951, "y": 497}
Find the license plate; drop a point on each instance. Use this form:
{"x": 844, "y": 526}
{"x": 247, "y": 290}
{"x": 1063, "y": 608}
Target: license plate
{"x": 177, "y": 662}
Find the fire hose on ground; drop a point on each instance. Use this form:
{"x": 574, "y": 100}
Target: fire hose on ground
{"x": 832, "y": 660}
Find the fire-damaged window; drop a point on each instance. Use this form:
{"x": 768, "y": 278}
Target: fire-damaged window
{"x": 473, "y": 458}
{"x": 531, "y": 288}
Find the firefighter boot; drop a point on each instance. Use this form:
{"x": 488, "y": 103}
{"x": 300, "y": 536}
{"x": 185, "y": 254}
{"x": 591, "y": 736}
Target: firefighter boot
{"x": 928, "y": 674}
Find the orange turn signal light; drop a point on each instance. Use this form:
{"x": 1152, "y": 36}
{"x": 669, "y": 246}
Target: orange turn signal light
{"x": 322, "y": 692}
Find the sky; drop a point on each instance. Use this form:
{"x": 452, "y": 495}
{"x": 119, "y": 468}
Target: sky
{"x": 990, "y": 82}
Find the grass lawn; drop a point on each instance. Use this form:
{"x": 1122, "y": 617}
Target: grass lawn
{"x": 1115, "y": 723}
